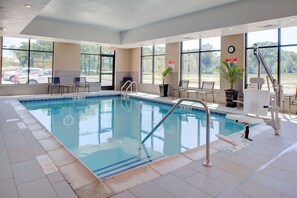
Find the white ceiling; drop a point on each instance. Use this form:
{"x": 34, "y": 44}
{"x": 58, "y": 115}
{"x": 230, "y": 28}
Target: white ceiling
{"x": 14, "y": 16}
{"x": 120, "y": 15}
{"x": 133, "y": 23}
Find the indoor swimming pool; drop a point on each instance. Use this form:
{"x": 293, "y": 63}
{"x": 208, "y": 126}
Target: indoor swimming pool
{"x": 105, "y": 132}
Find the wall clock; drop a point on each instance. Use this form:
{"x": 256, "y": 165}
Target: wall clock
{"x": 231, "y": 49}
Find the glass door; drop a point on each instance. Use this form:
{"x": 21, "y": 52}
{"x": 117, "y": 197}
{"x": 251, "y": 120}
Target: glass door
{"x": 107, "y": 72}
{"x": 90, "y": 67}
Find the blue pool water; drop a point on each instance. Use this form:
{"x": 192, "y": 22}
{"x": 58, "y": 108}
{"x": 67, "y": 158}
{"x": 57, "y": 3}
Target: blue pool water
{"x": 104, "y": 132}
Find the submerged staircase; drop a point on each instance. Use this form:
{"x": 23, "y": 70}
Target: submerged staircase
{"x": 125, "y": 165}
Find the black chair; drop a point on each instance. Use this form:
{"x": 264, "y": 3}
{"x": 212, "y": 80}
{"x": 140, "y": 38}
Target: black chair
{"x": 125, "y": 79}
{"x": 81, "y": 82}
{"x": 53, "y": 82}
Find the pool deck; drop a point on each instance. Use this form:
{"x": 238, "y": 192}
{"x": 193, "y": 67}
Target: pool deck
{"x": 34, "y": 164}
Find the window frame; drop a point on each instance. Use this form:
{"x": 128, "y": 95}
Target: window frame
{"x": 28, "y": 50}
{"x": 278, "y": 46}
{"x": 100, "y": 56}
{"x": 199, "y": 52}
{"x": 153, "y": 55}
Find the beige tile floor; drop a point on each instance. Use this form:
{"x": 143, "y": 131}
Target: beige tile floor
{"x": 266, "y": 167}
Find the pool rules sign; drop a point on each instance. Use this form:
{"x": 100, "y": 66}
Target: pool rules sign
{"x": 171, "y": 63}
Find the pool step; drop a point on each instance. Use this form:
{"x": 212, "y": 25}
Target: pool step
{"x": 124, "y": 165}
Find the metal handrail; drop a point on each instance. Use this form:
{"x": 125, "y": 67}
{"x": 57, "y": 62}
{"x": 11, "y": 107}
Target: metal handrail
{"x": 130, "y": 86}
{"x": 207, "y": 159}
{"x": 128, "y": 81}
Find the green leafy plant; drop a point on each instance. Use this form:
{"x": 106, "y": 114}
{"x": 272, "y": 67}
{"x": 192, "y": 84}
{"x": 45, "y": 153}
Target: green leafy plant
{"x": 231, "y": 72}
{"x": 164, "y": 73}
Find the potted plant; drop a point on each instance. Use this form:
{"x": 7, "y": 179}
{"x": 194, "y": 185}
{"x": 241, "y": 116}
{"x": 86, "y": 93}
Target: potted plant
{"x": 164, "y": 87}
{"x": 231, "y": 73}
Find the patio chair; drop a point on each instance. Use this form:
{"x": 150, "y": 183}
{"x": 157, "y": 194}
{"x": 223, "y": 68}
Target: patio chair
{"x": 293, "y": 102}
{"x": 81, "y": 82}
{"x": 53, "y": 82}
{"x": 207, "y": 89}
{"x": 182, "y": 87}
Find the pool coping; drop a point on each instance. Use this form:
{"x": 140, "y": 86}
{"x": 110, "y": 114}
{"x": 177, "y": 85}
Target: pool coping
{"x": 86, "y": 184}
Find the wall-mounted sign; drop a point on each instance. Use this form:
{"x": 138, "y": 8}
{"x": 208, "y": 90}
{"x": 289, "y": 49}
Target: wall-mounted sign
{"x": 171, "y": 63}
{"x": 231, "y": 59}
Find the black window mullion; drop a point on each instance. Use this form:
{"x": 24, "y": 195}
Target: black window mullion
{"x": 53, "y": 59}
{"x": 279, "y": 56}
{"x": 199, "y": 64}
{"x": 141, "y": 64}
{"x": 29, "y": 61}
{"x": 245, "y": 73}
{"x": 181, "y": 62}
{"x": 1, "y": 40}
{"x": 153, "y": 65}
{"x": 100, "y": 70}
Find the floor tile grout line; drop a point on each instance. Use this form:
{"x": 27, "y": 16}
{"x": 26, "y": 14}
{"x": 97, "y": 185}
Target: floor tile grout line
{"x": 229, "y": 190}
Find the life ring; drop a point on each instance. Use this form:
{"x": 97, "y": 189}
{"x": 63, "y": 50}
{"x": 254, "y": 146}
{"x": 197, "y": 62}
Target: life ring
{"x": 68, "y": 120}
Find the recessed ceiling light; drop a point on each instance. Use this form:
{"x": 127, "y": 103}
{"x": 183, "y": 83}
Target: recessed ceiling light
{"x": 19, "y": 19}
{"x": 27, "y": 6}
{"x": 231, "y": 29}
{"x": 292, "y": 19}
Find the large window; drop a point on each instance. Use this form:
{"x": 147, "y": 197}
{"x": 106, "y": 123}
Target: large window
{"x": 200, "y": 59}
{"x": 152, "y": 63}
{"x": 97, "y": 64}
{"x": 26, "y": 61}
{"x": 279, "y": 49}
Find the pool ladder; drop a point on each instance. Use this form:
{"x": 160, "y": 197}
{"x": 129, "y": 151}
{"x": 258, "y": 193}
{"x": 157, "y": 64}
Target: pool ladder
{"x": 130, "y": 86}
{"x": 207, "y": 159}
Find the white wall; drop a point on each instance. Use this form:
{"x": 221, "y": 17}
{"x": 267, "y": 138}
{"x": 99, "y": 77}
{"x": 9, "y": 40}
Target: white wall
{"x": 66, "y": 61}
{"x": 122, "y": 66}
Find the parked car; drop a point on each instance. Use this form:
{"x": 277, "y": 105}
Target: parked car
{"x": 10, "y": 75}
{"x": 40, "y": 77}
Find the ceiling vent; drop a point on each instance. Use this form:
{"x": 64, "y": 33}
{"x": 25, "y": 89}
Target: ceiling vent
{"x": 269, "y": 26}
{"x": 188, "y": 38}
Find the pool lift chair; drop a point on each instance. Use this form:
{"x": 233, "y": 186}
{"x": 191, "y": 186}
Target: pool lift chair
{"x": 257, "y": 102}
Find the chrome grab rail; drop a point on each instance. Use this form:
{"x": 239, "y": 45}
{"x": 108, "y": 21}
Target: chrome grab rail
{"x": 207, "y": 159}
{"x": 128, "y": 81}
{"x": 130, "y": 86}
